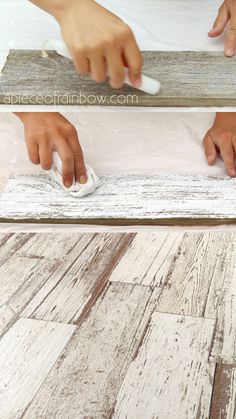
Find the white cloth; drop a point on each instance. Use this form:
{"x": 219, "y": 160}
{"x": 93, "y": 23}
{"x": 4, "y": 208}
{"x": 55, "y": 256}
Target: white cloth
{"x": 77, "y": 190}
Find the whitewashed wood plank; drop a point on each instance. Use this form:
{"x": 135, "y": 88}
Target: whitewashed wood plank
{"x": 221, "y": 303}
{"x": 223, "y": 404}
{"x": 172, "y": 199}
{"x": 170, "y": 376}
{"x": 20, "y": 279}
{"x": 28, "y": 351}
{"x": 85, "y": 381}
{"x": 199, "y": 262}
{"x": 147, "y": 259}
{"x": 50, "y": 245}
{"x": 11, "y": 244}
{"x": 67, "y": 294}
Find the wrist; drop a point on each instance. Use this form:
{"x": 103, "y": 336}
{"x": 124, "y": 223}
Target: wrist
{"x": 59, "y": 8}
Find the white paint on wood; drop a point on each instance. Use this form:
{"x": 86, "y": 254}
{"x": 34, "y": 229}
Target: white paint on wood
{"x": 20, "y": 279}
{"x": 147, "y": 259}
{"x": 171, "y": 377}
{"x": 67, "y": 292}
{"x": 223, "y": 405}
{"x": 86, "y": 379}
{"x": 126, "y": 197}
{"x": 221, "y": 303}
{"x": 11, "y": 244}
{"x": 28, "y": 351}
{"x": 50, "y": 246}
{"x": 199, "y": 262}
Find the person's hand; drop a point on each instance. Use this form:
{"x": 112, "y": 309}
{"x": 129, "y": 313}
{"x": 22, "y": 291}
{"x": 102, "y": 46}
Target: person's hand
{"x": 100, "y": 43}
{"x": 49, "y": 131}
{"x": 226, "y": 17}
{"x": 221, "y": 138}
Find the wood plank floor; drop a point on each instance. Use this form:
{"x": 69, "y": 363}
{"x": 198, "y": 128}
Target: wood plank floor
{"x": 186, "y": 79}
{"x": 127, "y": 199}
{"x": 118, "y": 325}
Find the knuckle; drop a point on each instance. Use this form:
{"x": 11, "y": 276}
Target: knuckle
{"x": 125, "y": 31}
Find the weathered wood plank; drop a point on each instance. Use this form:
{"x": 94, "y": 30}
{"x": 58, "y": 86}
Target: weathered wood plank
{"x": 223, "y": 404}
{"x": 87, "y": 377}
{"x": 20, "y": 279}
{"x": 186, "y": 80}
{"x": 130, "y": 199}
{"x": 200, "y": 261}
{"x": 147, "y": 259}
{"x": 69, "y": 293}
{"x": 12, "y": 243}
{"x": 50, "y": 246}
{"x": 171, "y": 376}
{"x": 221, "y": 303}
{"x": 28, "y": 351}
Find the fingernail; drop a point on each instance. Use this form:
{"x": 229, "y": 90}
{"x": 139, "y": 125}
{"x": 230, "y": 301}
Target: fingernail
{"x": 232, "y": 172}
{"x": 229, "y": 52}
{"x": 68, "y": 183}
{"x": 210, "y": 159}
{"x": 137, "y": 82}
{"x": 82, "y": 180}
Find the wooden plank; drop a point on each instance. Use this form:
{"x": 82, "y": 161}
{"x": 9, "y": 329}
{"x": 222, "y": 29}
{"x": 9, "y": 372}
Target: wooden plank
{"x": 87, "y": 377}
{"x": 223, "y": 404}
{"x": 11, "y": 244}
{"x": 200, "y": 261}
{"x": 147, "y": 259}
{"x": 50, "y": 246}
{"x": 28, "y": 351}
{"x": 186, "y": 80}
{"x": 221, "y": 303}
{"x": 20, "y": 279}
{"x": 69, "y": 294}
{"x": 129, "y": 199}
{"x": 171, "y": 376}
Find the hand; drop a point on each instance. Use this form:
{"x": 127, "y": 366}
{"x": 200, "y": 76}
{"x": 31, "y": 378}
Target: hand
{"x": 222, "y": 138}
{"x": 226, "y": 15}
{"x": 100, "y": 43}
{"x": 49, "y": 131}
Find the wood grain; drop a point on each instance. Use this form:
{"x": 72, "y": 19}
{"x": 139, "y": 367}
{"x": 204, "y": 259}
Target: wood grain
{"x": 87, "y": 377}
{"x": 11, "y": 244}
{"x": 187, "y": 79}
{"x": 199, "y": 262}
{"x": 20, "y": 279}
{"x": 28, "y": 351}
{"x": 147, "y": 259}
{"x": 129, "y": 199}
{"x": 223, "y": 404}
{"x": 151, "y": 391}
{"x": 70, "y": 292}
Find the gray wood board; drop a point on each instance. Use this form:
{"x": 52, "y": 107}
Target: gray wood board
{"x": 188, "y": 78}
{"x": 127, "y": 199}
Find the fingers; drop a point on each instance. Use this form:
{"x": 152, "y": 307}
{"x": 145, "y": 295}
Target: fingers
{"x": 220, "y": 22}
{"x": 228, "y": 155}
{"x": 67, "y": 158}
{"x": 79, "y": 164}
{"x": 45, "y": 154}
{"x": 33, "y": 150}
{"x": 134, "y": 60}
{"x": 230, "y": 41}
{"x": 115, "y": 69}
{"x": 81, "y": 63}
{"x": 98, "y": 67}
{"x": 210, "y": 149}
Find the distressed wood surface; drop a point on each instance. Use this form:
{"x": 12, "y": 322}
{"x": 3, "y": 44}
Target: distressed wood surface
{"x": 154, "y": 330}
{"x": 186, "y": 79}
{"x": 129, "y": 199}
{"x": 88, "y": 375}
{"x": 149, "y": 391}
{"x": 28, "y": 351}
{"x": 223, "y": 404}
{"x": 199, "y": 262}
{"x": 147, "y": 259}
{"x": 69, "y": 292}
{"x": 12, "y": 244}
{"x": 20, "y": 279}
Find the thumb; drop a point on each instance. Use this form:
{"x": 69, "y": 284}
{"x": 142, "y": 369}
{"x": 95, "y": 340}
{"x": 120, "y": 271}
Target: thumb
{"x": 210, "y": 149}
{"x": 220, "y": 22}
